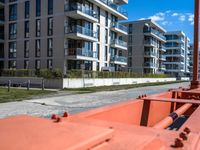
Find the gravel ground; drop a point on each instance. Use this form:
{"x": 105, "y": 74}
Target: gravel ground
{"x": 77, "y": 103}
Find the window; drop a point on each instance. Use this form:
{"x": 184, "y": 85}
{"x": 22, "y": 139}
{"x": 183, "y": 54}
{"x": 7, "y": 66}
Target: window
{"x": 13, "y": 12}
{"x": 129, "y": 62}
{"x": 106, "y": 53}
{"x": 26, "y": 29}
{"x": 50, "y": 64}
{"x": 50, "y": 7}
{"x": 106, "y": 36}
{"x": 99, "y": 14}
{"x": 37, "y": 48}
{"x": 27, "y": 10}
{"x": 26, "y": 49}
{"x": 12, "y": 31}
{"x": 26, "y": 64}
{"x": 1, "y": 50}
{"x": 130, "y": 39}
{"x": 50, "y": 47}
{"x": 130, "y": 51}
{"x": 98, "y": 32}
{"x": 38, "y": 8}
{"x": 50, "y": 26}
{"x": 98, "y": 51}
{"x": 12, "y": 50}
{"x": 37, "y": 64}
{"x": 38, "y": 27}
{"x": 130, "y": 29}
{"x": 12, "y": 64}
{"x": 106, "y": 19}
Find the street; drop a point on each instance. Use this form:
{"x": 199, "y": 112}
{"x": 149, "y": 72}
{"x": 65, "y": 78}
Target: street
{"x": 78, "y": 102}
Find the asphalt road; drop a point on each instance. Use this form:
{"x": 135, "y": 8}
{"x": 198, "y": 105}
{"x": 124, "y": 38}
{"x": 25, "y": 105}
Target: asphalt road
{"x": 77, "y": 103}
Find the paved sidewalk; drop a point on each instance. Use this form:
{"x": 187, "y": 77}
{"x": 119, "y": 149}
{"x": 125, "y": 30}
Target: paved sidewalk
{"x": 79, "y": 102}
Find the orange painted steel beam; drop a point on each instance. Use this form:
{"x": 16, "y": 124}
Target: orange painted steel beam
{"x": 170, "y": 119}
{"x": 172, "y": 100}
{"x": 195, "y": 83}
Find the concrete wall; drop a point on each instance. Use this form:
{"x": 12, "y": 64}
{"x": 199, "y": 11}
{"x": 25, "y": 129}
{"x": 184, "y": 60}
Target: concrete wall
{"x": 79, "y": 83}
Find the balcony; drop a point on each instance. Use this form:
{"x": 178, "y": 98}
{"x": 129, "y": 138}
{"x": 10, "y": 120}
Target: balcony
{"x": 177, "y": 54}
{"x": 162, "y": 68}
{"x": 109, "y": 6}
{"x": 156, "y": 34}
{"x": 174, "y": 47}
{"x": 149, "y": 43}
{"x": 117, "y": 27}
{"x": 80, "y": 33}
{"x": 120, "y": 60}
{"x": 2, "y": 3}
{"x": 78, "y": 11}
{"x": 1, "y": 38}
{"x": 81, "y": 54}
{"x": 121, "y": 2}
{"x": 119, "y": 44}
{"x": 149, "y": 54}
{"x": 162, "y": 58}
{"x": 162, "y": 48}
{"x": 149, "y": 65}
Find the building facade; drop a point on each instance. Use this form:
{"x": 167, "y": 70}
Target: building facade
{"x": 63, "y": 34}
{"x": 2, "y": 23}
{"x": 177, "y": 51}
{"x": 146, "y": 47}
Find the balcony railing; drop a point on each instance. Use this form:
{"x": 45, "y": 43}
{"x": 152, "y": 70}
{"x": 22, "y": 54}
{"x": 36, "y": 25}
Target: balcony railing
{"x": 81, "y": 52}
{"x": 115, "y": 7}
{"x": 149, "y": 64}
{"x": 119, "y": 26}
{"x": 79, "y": 7}
{"x": 149, "y": 42}
{"x": 153, "y": 31}
{"x": 80, "y": 30}
{"x": 162, "y": 57}
{"x": 119, "y": 58}
{"x": 119, "y": 42}
{"x": 162, "y": 47}
{"x": 149, "y": 53}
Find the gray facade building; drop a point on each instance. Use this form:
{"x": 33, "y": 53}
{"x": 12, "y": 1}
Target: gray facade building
{"x": 64, "y": 34}
{"x": 177, "y": 51}
{"x": 146, "y": 47}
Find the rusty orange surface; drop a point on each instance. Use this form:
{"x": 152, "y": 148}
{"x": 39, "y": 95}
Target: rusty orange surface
{"x": 126, "y": 125}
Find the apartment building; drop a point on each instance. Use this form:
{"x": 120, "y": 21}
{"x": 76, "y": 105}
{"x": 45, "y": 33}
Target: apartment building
{"x": 1, "y": 34}
{"x": 146, "y": 47}
{"x": 64, "y": 34}
{"x": 177, "y": 50}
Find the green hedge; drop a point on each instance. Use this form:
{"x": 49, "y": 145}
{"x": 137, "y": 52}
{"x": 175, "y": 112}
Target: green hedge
{"x": 98, "y": 74}
{"x": 57, "y": 74}
{"x": 43, "y": 73}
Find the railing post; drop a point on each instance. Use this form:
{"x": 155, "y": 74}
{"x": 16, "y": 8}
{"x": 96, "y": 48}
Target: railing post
{"x": 195, "y": 82}
{"x": 9, "y": 85}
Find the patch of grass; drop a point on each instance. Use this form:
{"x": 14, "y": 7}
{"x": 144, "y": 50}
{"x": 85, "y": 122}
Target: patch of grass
{"x": 20, "y": 94}
{"x": 116, "y": 87}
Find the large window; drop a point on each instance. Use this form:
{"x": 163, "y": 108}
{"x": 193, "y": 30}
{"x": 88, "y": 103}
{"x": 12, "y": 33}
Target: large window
{"x": 106, "y": 19}
{"x": 38, "y": 8}
{"x": 12, "y": 31}
{"x": 38, "y": 27}
{"x": 37, "y": 64}
{"x": 26, "y": 64}
{"x": 12, "y": 50}
{"x": 27, "y": 10}
{"x": 50, "y": 64}
{"x": 37, "y": 48}
{"x": 50, "y": 7}
{"x": 50, "y": 47}
{"x": 50, "y": 26}
{"x": 13, "y": 12}
{"x": 26, "y": 49}
{"x": 12, "y": 64}
{"x": 26, "y": 29}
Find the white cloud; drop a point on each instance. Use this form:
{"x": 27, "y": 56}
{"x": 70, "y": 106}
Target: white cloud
{"x": 158, "y": 17}
{"x": 191, "y": 18}
{"x": 182, "y": 18}
{"x": 175, "y": 14}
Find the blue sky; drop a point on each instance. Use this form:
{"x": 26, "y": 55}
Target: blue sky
{"x": 170, "y": 14}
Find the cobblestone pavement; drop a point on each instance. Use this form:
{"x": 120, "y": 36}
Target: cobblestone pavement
{"x": 77, "y": 103}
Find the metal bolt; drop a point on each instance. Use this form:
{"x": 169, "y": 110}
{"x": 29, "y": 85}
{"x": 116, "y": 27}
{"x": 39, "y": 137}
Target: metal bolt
{"x": 53, "y": 117}
{"x": 187, "y": 130}
{"x": 65, "y": 114}
{"x": 178, "y": 143}
{"x": 183, "y": 136}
